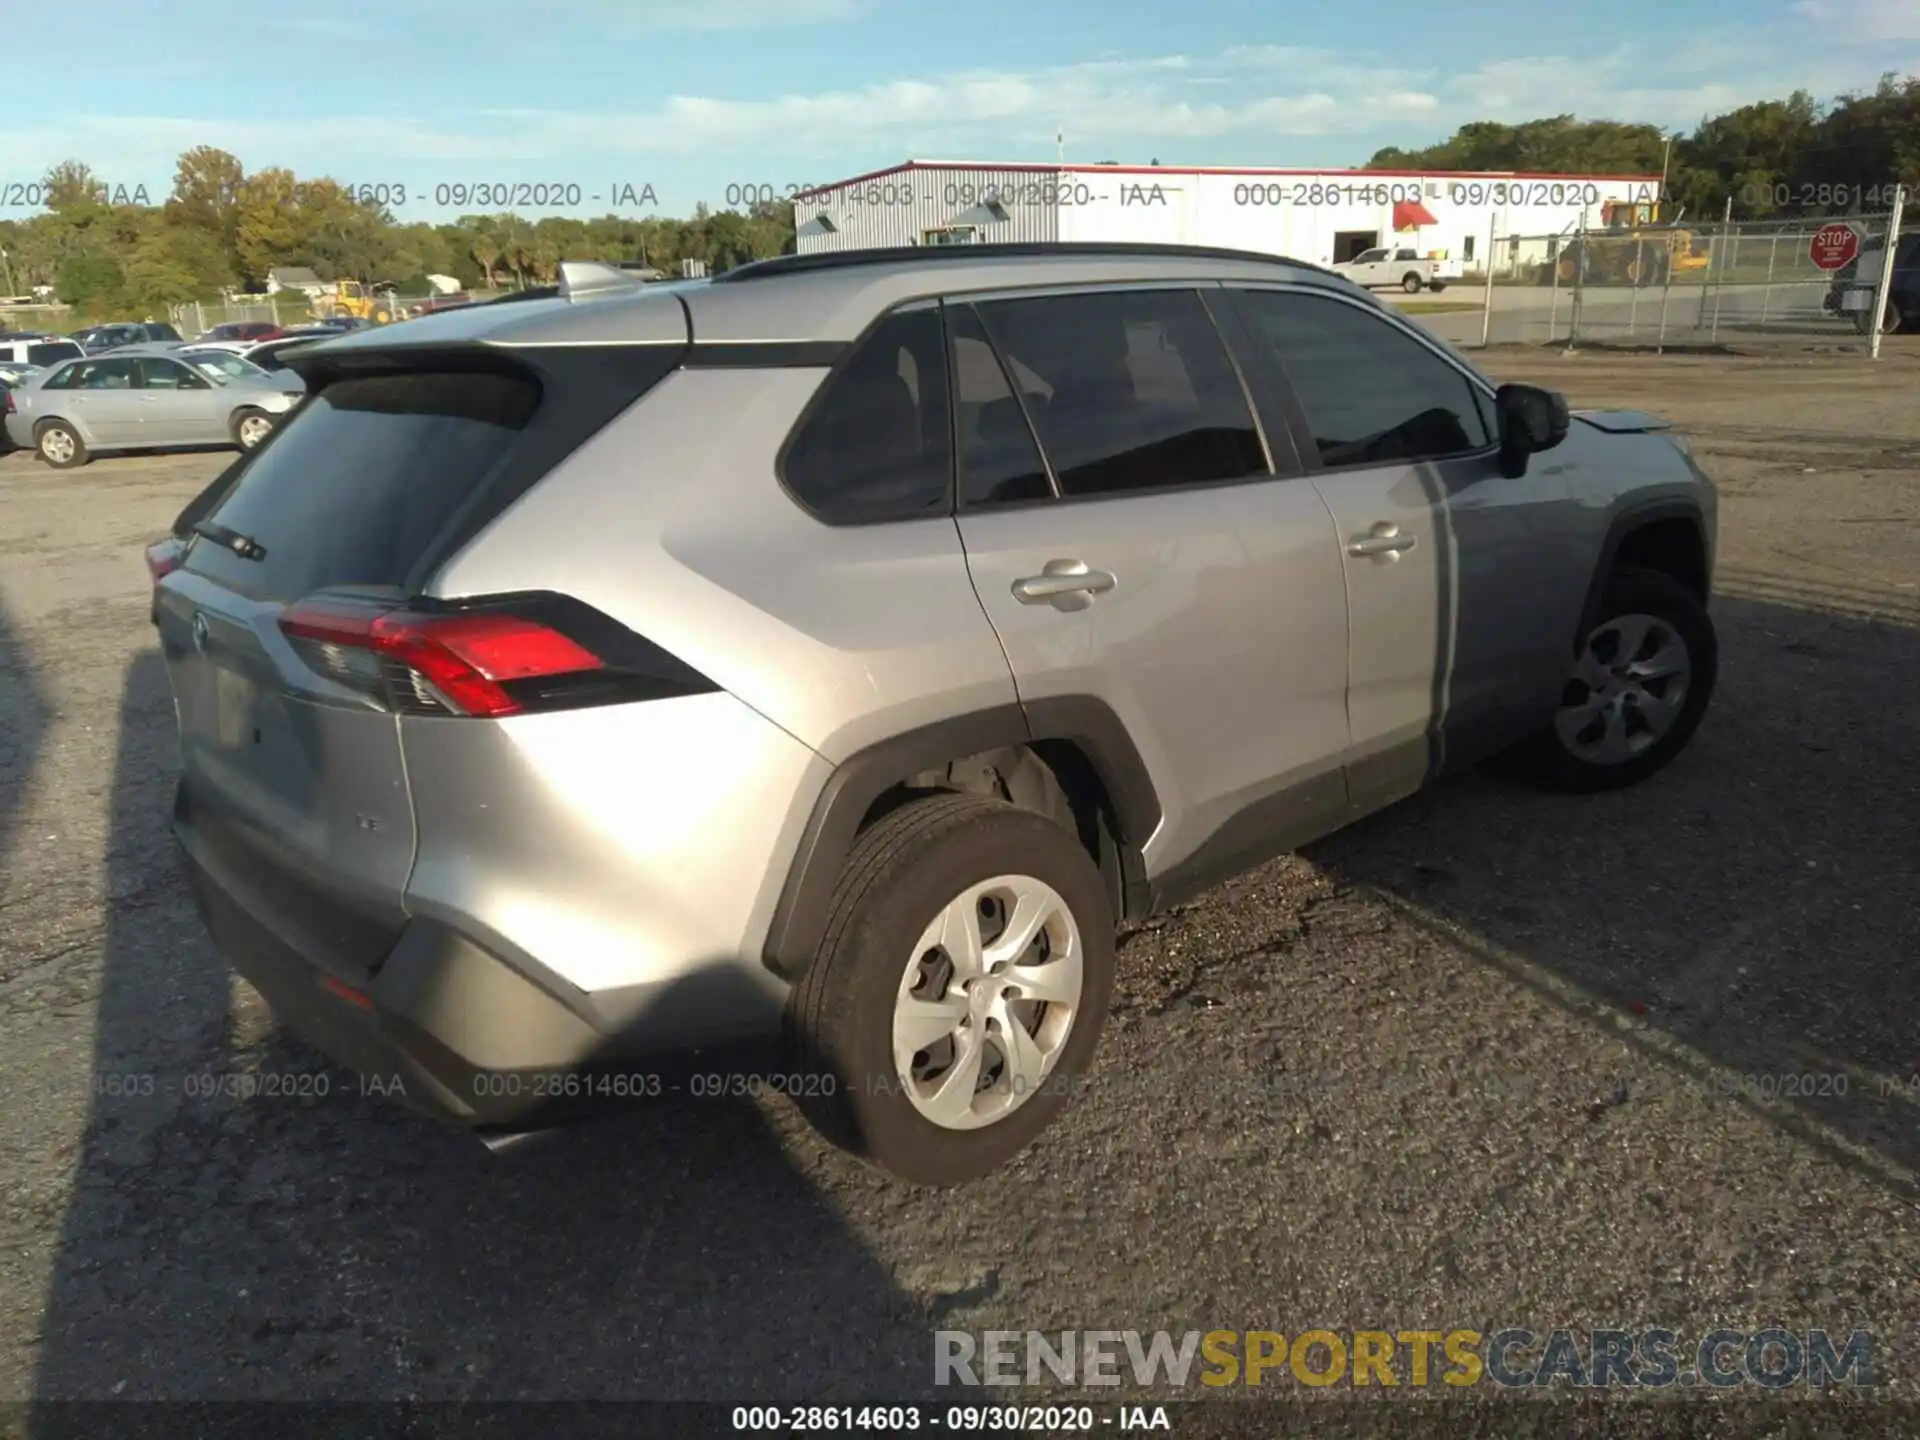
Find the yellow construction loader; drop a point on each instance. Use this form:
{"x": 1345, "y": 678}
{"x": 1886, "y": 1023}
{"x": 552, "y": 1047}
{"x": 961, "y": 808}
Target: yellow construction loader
{"x": 1636, "y": 248}
{"x": 351, "y": 298}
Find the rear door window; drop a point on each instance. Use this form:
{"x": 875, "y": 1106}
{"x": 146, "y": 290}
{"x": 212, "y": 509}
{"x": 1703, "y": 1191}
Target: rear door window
{"x": 357, "y": 486}
{"x": 999, "y": 462}
{"x": 104, "y": 374}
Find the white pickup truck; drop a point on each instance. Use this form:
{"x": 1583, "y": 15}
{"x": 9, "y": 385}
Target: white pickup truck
{"x": 1404, "y": 267}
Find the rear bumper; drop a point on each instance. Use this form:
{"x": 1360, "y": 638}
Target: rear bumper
{"x": 457, "y": 1033}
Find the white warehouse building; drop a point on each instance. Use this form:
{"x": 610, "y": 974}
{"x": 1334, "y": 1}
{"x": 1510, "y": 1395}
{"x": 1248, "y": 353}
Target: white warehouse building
{"x": 1319, "y": 216}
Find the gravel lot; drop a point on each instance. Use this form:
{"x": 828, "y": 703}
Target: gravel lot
{"x": 1490, "y": 1058}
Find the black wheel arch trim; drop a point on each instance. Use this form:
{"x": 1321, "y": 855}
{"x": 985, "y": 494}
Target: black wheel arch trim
{"x": 800, "y": 914}
{"x": 1634, "y": 518}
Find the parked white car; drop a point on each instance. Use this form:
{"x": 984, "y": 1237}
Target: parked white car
{"x": 1401, "y": 266}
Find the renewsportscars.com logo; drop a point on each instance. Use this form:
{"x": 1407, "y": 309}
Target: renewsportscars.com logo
{"x": 1513, "y": 1358}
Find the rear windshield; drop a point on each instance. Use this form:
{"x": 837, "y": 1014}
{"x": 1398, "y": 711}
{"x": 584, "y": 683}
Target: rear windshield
{"x": 363, "y": 478}
{"x": 53, "y": 354}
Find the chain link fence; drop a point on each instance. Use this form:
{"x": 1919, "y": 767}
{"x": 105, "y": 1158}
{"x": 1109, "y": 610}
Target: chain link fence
{"x": 288, "y": 308}
{"x": 1681, "y": 285}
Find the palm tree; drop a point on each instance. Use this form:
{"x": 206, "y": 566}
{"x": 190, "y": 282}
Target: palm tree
{"x": 485, "y": 250}
{"x": 516, "y": 241}
{"x": 483, "y": 243}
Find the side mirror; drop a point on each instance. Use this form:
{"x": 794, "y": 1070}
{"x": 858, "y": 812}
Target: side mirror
{"x": 1531, "y": 419}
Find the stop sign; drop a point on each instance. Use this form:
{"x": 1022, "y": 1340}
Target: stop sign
{"x": 1834, "y": 246}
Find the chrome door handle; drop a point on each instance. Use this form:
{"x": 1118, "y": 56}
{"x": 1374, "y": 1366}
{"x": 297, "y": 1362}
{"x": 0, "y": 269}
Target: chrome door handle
{"x": 1384, "y": 539}
{"x": 1063, "y": 584}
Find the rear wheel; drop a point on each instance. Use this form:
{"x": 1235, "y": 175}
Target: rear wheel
{"x": 250, "y": 427}
{"x": 60, "y": 445}
{"x": 1410, "y": 283}
{"x": 1636, "y": 691}
{"x": 959, "y": 991}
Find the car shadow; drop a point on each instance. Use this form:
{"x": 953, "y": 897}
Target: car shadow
{"x": 24, "y": 715}
{"x": 1748, "y": 913}
{"x": 307, "y": 1241}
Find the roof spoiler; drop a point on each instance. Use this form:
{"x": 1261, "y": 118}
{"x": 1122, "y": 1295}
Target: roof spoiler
{"x": 592, "y": 277}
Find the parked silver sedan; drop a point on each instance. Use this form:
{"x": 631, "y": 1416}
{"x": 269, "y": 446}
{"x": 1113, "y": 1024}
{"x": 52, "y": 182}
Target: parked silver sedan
{"x": 141, "y": 398}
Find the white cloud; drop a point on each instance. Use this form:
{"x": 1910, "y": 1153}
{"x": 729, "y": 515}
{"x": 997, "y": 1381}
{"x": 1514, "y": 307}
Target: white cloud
{"x": 1864, "y": 21}
{"x": 645, "y": 16}
{"x": 1289, "y": 104}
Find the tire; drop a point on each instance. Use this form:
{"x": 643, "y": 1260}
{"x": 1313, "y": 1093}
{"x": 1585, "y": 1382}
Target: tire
{"x": 1892, "y": 321}
{"x": 1436, "y": 286}
{"x": 904, "y": 872}
{"x": 69, "y": 450}
{"x": 1554, "y": 762}
{"x": 1410, "y": 282}
{"x": 246, "y": 422}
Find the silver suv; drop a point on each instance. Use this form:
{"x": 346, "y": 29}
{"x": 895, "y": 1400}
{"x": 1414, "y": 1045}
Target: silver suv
{"x": 843, "y": 646}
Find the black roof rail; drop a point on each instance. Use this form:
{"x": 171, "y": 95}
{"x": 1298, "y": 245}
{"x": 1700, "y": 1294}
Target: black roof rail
{"x": 1017, "y": 250}
{"x": 532, "y": 292}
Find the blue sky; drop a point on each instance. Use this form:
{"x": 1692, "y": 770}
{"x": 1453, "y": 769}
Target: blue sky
{"x": 696, "y": 97}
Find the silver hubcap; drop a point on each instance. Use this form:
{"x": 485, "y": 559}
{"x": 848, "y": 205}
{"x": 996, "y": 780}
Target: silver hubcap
{"x": 254, "y": 429}
{"x": 989, "y": 997}
{"x": 56, "y": 445}
{"x": 1627, "y": 688}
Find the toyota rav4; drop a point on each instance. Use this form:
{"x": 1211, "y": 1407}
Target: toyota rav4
{"x": 843, "y": 647}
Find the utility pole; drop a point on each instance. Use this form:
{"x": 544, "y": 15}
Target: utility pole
{"x": 1486, "y": 302}
{"x": 1886, "y": 271}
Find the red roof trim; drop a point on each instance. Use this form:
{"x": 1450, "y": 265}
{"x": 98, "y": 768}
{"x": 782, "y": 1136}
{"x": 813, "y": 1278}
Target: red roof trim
{"x": 1030, "y": 166}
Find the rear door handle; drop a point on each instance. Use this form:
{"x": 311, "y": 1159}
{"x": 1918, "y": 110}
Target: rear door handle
{"x": 1063, "y": 584}
{"x": 1384, "y": 541}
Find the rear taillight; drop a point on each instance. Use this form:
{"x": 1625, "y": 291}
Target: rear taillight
{"x": 164, "y": 557}
{"x": 485, "y": 660}
{"x": 9, "y": 401}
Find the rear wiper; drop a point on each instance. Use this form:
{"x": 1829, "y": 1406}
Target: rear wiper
{"x": 245, "y": 546}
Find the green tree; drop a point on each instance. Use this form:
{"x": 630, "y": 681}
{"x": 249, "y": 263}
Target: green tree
{"x": 72, "y": 184}
{"x": 207, "y": 185}
{"x": 91, "y": 282}
{"x": 267, "y": 225}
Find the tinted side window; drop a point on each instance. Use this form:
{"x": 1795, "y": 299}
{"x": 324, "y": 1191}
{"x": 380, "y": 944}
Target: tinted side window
{"x": 1372, "y": 395}
{"x": 52, "y": 354}
{"x": 999, "y": 463}
{"x": 1141, "y": 392}
{"x": 877, "y": 443}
